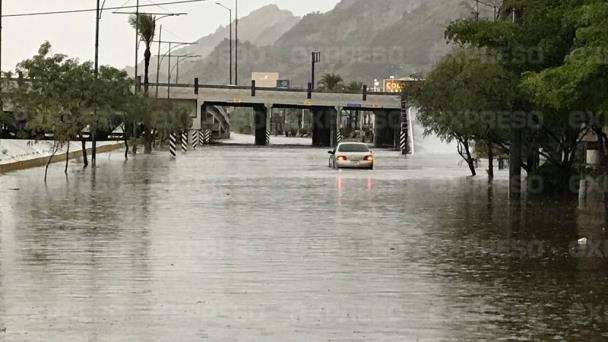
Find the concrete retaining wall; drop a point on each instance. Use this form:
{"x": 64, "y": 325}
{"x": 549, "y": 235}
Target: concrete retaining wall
{"x": 41, "y": 161}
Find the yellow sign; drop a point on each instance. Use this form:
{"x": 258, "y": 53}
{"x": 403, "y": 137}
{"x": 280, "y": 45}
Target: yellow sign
{"x": 236, "y": 101}
{"x": 394, "y": 86}
{"x": 307, "y": 103}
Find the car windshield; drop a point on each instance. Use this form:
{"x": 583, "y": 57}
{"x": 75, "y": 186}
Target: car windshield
{"x": 353, "y": 148}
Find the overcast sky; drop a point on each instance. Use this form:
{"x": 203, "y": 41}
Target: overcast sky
{"x": 73, "y": 34}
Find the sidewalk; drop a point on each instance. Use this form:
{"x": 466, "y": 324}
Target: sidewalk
{"x": 23, "y": 154}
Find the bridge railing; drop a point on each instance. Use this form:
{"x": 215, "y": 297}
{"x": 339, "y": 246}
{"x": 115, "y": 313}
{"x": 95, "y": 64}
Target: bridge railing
{"x": 195, "y": 85}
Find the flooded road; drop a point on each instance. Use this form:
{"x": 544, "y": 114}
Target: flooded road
{"x": 259, "y": 244}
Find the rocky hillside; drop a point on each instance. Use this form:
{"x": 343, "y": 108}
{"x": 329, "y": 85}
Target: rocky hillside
{"x": 261, "y": 27}
{"x": 359, "y": 39}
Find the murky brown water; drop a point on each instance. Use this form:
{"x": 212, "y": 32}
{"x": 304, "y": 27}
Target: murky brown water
{"x": 246, "y": 244}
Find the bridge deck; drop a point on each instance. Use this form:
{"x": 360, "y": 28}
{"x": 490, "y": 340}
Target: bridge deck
{"x": 225, "y": 95}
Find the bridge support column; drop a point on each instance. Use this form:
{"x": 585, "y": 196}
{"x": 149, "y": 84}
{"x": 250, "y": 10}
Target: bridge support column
{"x": 324, "y": 126}
{"x": 260, "y": 124}
{"x": 339, "y": 128}
{"x": 387, "y": 129}
{"x": 268, "y": 122}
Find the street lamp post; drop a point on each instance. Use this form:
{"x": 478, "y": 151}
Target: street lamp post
{"x": 162, "y": 16}
{"x": 168, "y": 54}
{"x": 230, "y": 40}
{"x": 183, "y": 57}
{"x": 94, "y": 126}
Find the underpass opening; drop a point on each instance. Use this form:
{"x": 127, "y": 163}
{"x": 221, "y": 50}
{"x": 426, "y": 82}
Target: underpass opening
{"x": 317, "y": 126}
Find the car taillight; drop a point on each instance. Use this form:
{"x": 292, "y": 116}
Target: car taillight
{"x": 368, "y": 158}
{"x": 341, "y": 158}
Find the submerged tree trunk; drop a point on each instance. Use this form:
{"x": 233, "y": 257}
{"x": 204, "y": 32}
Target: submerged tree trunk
{"x": 67, "y": 159}
{"x": 148, "y": 141}
{"x": 602, "y": 141}
{"x": 490, "y": 159}
{"x": 125, "y": 137}
{"x": 85, "y": 158}
{"x": 465, "y": 152}
{"x": 46, "y": 169}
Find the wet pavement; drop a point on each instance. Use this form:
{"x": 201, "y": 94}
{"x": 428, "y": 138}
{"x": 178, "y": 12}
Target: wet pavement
{"x": 267, "y": 244}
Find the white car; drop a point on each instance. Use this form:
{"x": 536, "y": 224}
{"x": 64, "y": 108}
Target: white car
{"x": 351, "y": 155}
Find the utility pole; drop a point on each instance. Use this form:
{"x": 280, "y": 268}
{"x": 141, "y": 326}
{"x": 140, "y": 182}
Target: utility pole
{"x": 1, "y": 96}
{"x": 168, "y": 54}
{"x": 236, "y": 38}
{"x": 316, "y": 58}
{"x": 93, "y": 127}
{"x": 136, "y": 40}
{"x": 160, "y": 39}
{"x": 169, "y": 73}
{"x": 476, "y": 10}
{"x": 230, "y": 41}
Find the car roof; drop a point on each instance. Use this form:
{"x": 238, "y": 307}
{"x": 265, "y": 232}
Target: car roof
{"x": 352, "y": 143}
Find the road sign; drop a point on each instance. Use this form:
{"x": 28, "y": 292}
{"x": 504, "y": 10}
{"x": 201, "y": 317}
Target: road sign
{"x": 283, "y": 84}
{"x": 307, "y": 103}
{"x": 394, "y": 86}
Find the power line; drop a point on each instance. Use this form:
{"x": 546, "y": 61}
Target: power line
{"x": 157, "y": 5}
{"x": 32, "y": 14}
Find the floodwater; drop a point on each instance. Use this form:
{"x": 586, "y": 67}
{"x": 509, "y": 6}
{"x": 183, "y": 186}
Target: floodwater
{"x": 268, "y": 244}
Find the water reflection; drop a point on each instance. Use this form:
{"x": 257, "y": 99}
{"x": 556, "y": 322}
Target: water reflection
{"x": 232, "y": 244}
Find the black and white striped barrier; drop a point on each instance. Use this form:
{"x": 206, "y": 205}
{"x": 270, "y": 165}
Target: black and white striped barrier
{"x": 267, "y": 137}
{"x": 339, "y": 136}
{"x": 201, "y": 137}
{"x": 208, "y": 136}
{"x": 184, "y": 142}
{"x": 405, "y": 130}
{"x": 194, "y": 136}
{"x": 403, "y": 140}
{"x": 172, "y": 145}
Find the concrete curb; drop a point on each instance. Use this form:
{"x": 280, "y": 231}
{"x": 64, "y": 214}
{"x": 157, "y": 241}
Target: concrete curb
{"x": 41, "y": 161}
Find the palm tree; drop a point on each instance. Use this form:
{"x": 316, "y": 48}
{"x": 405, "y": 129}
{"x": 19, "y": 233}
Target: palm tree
{"x": 331, "y": 82}
{"x": 147, "y": 31}
{"x": 354, "y": 87}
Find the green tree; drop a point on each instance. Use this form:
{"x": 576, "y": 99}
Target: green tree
{"x": 147, "y": 31}
{"x": 331, "y": 82}
{"x": 463, "y": 98}
{"x": 578, "y": 86}
{"x": 533, "y": 37}
{"x": 54, "y": 95}
{"x": 116, "y": 103}
{"x": 59, "y": 96}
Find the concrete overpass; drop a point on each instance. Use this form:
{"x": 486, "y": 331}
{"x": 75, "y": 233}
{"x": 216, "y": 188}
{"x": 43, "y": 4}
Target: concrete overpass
{"x": 326, "y": 108}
